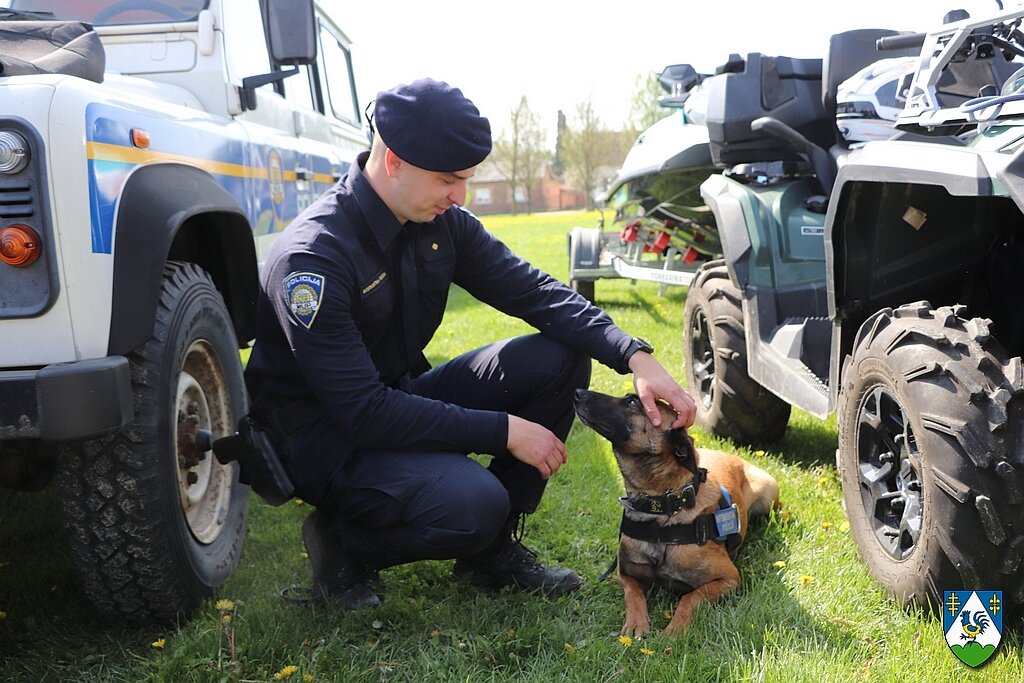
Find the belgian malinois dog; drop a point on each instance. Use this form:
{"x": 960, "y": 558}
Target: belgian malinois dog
{"x": 685, "y": 508}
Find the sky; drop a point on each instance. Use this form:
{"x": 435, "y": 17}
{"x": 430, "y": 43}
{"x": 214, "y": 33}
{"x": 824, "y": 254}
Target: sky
{"x": 560, "y": 53}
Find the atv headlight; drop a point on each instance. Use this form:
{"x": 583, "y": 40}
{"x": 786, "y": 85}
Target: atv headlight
{"x": 14, "y": 153}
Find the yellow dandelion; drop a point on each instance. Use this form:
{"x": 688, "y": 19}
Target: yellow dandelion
{"x": 667, "y": 615}
{"x": 286, "y": 672}
{"x": 826, "y": 525}
{"x": 779, "y": 564}
{"x": 434, "y": 633}
{"x": 225, "y": 605}
{"x": 646, "y": 651}
{"x": 823, "y": 481}
{"x": 759, "y": 454}
{"x": 299, "y": 502}
{"x": 159, "y": 643}
{"x": 226, "y": 618}
{"x": 307, "y": 677}
{"x": 569, "y": 647}
{"x": 626, "y": 641}
{"x": 304, "y": 555}
{"x": 806, "y": 580}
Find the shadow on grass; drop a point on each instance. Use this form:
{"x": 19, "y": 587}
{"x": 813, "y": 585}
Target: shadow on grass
{"x": 49, "y": 625}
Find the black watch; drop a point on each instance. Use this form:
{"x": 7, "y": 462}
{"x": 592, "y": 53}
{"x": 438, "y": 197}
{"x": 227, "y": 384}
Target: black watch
{"x": 637, "y": 344}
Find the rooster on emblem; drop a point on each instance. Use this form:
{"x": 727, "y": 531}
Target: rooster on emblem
{"x": 971, "y": 631}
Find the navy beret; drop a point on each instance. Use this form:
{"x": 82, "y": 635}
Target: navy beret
{"x": 432, "y": 125}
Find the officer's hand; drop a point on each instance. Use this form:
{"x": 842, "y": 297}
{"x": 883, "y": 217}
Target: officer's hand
{"x": 535, "y": 445}
{"x": 652, "y": 382}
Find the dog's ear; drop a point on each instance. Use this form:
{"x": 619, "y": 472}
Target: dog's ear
{"x": 682, "y": 445}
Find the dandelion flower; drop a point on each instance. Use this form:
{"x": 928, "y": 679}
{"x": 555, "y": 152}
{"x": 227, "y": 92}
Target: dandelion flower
{"x": 159, "y": 643}
{"x": 569, "y": 647}
{"x": 304, "y": 555}
{"x": 225, "y": 605}
{"x": 826, "y": 525}
{"x": 667, "y": 615}
{"x": 299, "y": 502}
{"x": 646, "y": 651}
{"x": 779, "y": 564}
{"x": 626, "y": 641}
{"x": 759, "y": 454}
{"x": 805, "y": 580}
{"x": 286, "y": 672}
{"x": 823, "y": 481}
{"x": 307, "y": 677}
{"x": 226, "y": 618}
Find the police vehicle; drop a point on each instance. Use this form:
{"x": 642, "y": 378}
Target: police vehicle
{"x": 150, "y": 152}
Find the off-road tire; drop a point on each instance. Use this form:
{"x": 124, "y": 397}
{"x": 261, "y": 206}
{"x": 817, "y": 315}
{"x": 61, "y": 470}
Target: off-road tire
{"x": 929, "y": 420}
{"x": 584, "y": 288}
{"x": 148, "y": 541}
{"x": 729, "y": 403}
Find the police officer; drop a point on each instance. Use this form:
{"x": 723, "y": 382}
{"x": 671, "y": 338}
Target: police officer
{"x": 377, "y": 441}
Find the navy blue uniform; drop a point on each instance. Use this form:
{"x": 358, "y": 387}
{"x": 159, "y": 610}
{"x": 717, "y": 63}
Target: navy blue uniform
{"x": 383, "y": 442}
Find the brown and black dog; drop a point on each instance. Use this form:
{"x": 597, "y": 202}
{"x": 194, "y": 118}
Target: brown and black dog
{"x": 671, "y": 535}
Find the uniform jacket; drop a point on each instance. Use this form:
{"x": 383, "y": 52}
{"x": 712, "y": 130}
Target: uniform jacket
{"x": 330, "y": 323}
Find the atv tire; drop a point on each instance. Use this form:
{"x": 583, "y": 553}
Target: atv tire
{"x": 729, "y": 403}
{"x": 155, "y": 525}
{"x": 929, "y": 415}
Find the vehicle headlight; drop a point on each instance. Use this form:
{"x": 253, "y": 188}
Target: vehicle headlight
{"x": 14, "y": 154}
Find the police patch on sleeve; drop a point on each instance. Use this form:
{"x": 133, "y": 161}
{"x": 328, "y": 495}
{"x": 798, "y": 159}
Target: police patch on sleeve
{"x": 304, "y": 292}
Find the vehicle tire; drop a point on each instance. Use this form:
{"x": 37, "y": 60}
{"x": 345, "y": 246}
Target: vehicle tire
{"x": 729, "y": 403}
{"x": 929, "y": 417}
{"x": 584, "y": 288}
{"x": 156, "y": 526}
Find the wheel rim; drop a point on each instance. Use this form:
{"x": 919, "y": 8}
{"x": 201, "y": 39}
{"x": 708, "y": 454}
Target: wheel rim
{"x": 890, "y": 465}
{"x": 702, "y": 353}
{"x": 203, "y": 403}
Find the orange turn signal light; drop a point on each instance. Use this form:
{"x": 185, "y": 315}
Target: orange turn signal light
{"x": 19, "y": 245}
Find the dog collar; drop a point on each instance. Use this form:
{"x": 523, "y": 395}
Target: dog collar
{"x": 668, "y": 503}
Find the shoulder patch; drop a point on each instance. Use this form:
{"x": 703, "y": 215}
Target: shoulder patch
{"x": 304, "y": 291}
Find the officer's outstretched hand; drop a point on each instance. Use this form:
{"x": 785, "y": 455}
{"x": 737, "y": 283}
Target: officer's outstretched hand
{"x": 535, "y": 445}
{"x": 652, "y": 382}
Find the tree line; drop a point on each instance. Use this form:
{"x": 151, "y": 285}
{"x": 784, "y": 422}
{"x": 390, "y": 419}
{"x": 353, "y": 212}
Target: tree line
{"x": 585, "y": 148}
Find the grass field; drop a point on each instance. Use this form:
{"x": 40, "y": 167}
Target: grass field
{"x": 806, "y": 610}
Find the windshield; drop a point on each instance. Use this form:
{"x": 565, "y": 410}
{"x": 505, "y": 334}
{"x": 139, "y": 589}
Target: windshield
{"x": 103, "y": 12}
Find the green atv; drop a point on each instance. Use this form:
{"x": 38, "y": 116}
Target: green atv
{"x": 880, "y": 281}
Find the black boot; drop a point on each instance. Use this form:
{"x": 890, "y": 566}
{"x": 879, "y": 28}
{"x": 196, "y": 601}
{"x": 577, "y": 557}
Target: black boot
{"x": 507, "y": 562}
{"x": 337, "y": 576}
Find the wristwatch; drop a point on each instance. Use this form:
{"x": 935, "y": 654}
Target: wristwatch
{"x": 636, "y": 344}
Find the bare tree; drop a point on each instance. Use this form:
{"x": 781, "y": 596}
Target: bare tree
{"x": 519, "y": 153}
{"x": 589, "y": 148}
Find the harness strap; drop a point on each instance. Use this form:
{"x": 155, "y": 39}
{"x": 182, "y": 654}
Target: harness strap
{"x": 721, "y": 526}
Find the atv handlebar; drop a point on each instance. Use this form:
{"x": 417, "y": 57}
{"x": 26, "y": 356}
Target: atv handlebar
{"x": 900, "y": 42}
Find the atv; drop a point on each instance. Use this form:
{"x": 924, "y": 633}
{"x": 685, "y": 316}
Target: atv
{"x": 879, "y": 281}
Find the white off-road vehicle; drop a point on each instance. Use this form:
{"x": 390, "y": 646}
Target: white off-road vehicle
{"x": 149, "y": 153}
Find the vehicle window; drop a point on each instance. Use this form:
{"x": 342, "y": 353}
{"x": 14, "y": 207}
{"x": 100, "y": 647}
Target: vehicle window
{"x": 112, "y": 12}
{"x": 336, "y": 77}
{"x": 251, "y": 57}
{"x": 298, "y": 89}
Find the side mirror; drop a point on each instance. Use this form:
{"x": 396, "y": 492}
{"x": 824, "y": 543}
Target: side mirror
{"x": 292, "y": 37}
{"x": 291, "y": 31}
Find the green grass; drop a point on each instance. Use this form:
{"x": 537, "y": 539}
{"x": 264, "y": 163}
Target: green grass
{"x": 817, "y": 617}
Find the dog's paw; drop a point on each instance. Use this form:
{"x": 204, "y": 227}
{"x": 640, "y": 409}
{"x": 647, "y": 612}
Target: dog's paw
{"x": 636, "y": 628}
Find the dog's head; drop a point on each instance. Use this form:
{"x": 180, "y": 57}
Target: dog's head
{"x": 652, "y": 459}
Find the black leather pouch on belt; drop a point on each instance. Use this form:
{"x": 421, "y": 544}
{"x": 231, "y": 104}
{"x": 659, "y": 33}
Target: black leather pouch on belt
{"x": 260, "y": 462}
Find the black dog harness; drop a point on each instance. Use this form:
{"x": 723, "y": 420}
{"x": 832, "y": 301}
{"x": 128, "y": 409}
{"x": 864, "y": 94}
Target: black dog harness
{"x": 721, "y": 526}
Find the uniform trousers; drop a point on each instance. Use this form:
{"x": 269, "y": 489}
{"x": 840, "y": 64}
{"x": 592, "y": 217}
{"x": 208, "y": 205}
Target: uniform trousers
{"x": 390, "y": 507}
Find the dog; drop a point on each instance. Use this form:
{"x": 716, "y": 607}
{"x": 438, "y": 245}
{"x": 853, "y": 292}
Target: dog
{"x": 685, "y": 508}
